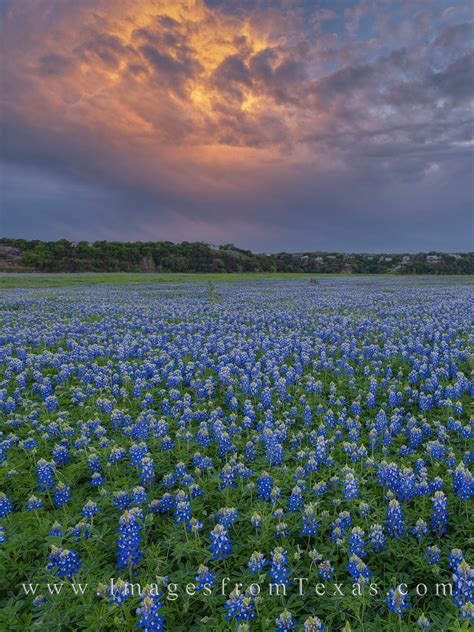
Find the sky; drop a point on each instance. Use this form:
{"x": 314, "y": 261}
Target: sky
{"x": 271, "y": 124}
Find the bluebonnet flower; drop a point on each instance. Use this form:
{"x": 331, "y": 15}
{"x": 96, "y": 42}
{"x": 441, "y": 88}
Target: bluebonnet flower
{"x": 94, "y": 463}
{"x": 433, "y": 554}
{"x": 264, "y": 486}
{"x": 296, "y": 499}
{"x": 250, "y": 451}
{"x": 463, "y": 590}
{"x": 467, "y": 610}
{"x": 61, "y": 495}
{"x": 39, "y": 601}
{"x": 255, "y": 519}
{"x": 357, "y": 542}
{"x": 307, "y": 416}
{"x": 420, "y": 529}
{"x": 320, "y": 488}
{"x": 224, "y": 443}
{"x": 278, "y": 571}
{"x": 370, "y": 400}
{"x": 81, "y": 530}
{"x": 395, "y": 521}
{"x": 45, "y": 474}
{"x": 195, "y": 490}
{"x": 195, "y": 525}
{"x": 97, "y": 480}
{"x": 463, "y": 482}
{"x": 137, "y": 451}
{"x": 60, "y": 454}
{"x": 121, "y": 500}
{"x": 182, "y": 512}
{"x": 310, "y": 522}
{"x": 129, "y": 538}
{"x": 149, "y": 612}
{"x": 273, "y": 448}
{"x": 257, "y": 562}
{"x": 281, "y": 530}
{"x": 166, "y": 503}
{"x": 275, "y": 495}
{"x": 56, "y": 530}
{"x": 359, "y": 570}
{"x": 351, "y": 488}
{"x": 396, "y": 601}
{"x": 240, "y": 607}
{"x": 90, "y": 509}
{"x": 345, "y": 520}
{"x": 313, "y": 624}
{"x": 34, "y": 503}
{"x": 204, "y": 578}
{"x": 439, "y": 515}
{"x": 116, "y": 454}
{"x": 337, "y": 535}
{"x": 455, "y": 558}
{"x": 423, "y": 622}
{"x": 6, "y": 506}
{"x": 227, "y": 516}
{"x": 64, "y": 562}
{"x": 51, "y": 403}
{"x": 138, "y": 496}
{"x": 116, "y": 592}
{"x": 285, "y": 622}
{"x": 147, "y": 470}
{"x": 325, "y": 570}
{"x": 221, "y": 545}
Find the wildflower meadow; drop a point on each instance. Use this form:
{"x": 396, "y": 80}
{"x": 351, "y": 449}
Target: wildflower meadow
{"x": 285, "y": 454}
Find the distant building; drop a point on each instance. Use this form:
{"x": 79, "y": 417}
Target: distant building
{"x": 433, "y": 259}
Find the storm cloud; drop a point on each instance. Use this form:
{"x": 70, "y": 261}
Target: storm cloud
{"x": 274, "y": 125}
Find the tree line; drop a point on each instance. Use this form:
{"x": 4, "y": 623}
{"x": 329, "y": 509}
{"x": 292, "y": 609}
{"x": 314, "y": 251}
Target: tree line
{"x": 165, "y": 256}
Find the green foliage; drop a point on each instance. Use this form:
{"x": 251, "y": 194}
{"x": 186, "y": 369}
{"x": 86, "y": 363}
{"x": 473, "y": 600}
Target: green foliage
{"x": 193, "y": 257}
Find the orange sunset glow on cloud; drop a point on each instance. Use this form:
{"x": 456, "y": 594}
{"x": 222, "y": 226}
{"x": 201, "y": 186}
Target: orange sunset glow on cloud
{"x": 237, "y": 121}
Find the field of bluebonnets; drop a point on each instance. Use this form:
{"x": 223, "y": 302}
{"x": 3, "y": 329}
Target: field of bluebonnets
{"x": 161, "y": 443}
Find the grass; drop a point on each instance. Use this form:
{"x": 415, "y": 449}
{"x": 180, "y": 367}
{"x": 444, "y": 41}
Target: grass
{"x": 10, "y": 280}
{"x": 44, "y": 280}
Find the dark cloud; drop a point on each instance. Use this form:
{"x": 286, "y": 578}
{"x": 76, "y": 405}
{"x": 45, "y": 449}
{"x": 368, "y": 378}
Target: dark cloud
{"x": 173, "y": 72}
{"x": 454, "y": 39}
{"x": 102, "y": 48}
{"x": 54, "y": 64}
{"x": 232, "y": 70}
{"x": 456, "y": 81}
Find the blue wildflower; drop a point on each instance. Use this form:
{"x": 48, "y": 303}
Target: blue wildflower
{"x": 64, "y": 562}
{"x": 221, "y": 545}
{"x": 396, "y": 601}
{"x": 129, "y": 538}
{"x": 278, "y": 571}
